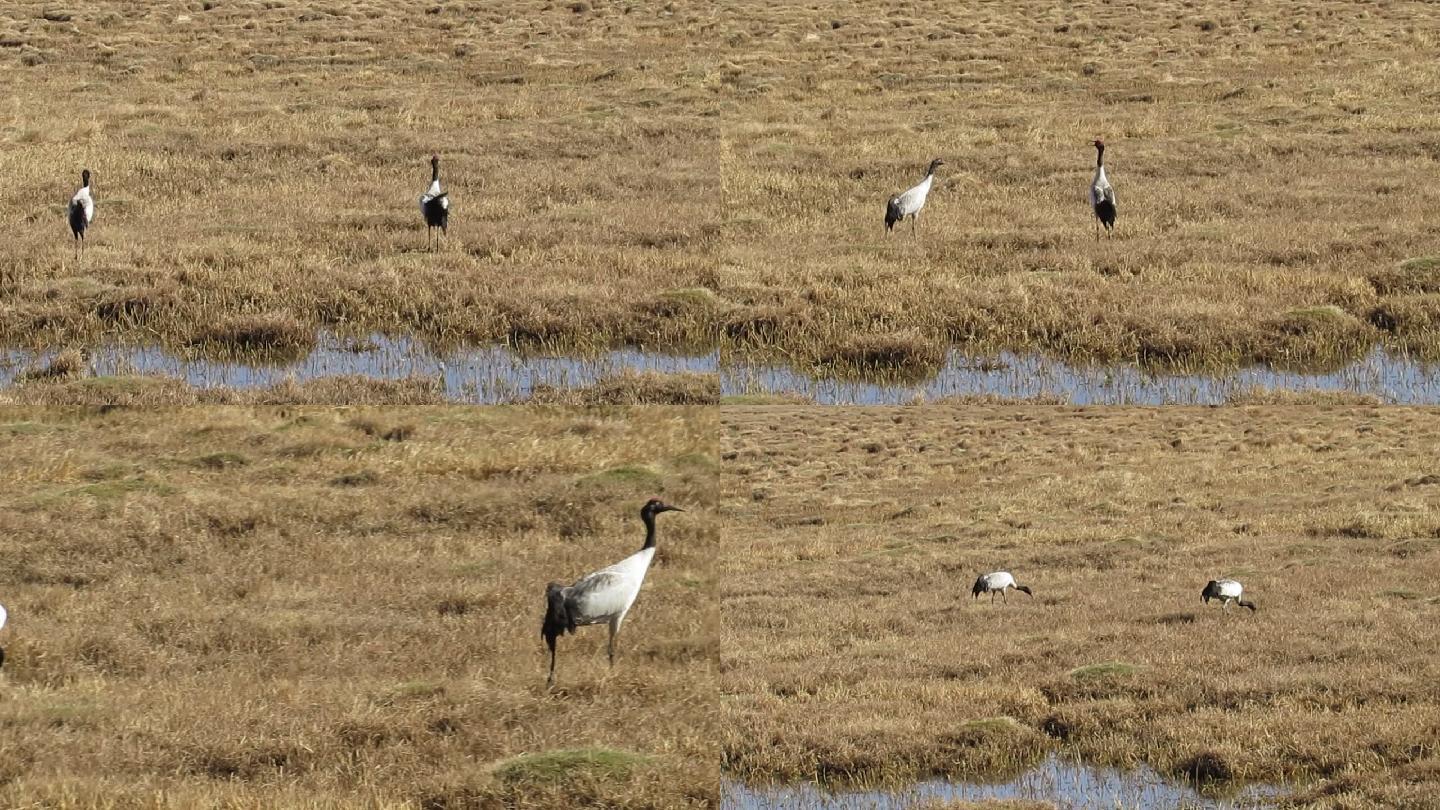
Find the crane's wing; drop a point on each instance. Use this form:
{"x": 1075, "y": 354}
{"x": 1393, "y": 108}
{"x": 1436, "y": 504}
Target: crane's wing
{"x": 3, "y": 616}
{"x": 597, "y": 596}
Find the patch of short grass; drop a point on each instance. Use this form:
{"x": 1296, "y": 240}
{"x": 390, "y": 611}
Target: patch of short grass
{"x": 630, "y": 476}
{"x": 114, "y": 489}
{"x": 1104, "y": 671}
{"x": 221, "y": 460}
{"x": 560, "y": 765}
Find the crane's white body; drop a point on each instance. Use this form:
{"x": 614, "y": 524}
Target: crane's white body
{"x": 608, "y": 594}
{"x": 1227, "y": 591}
{"x": 910, "y": 202}
{"x": 433, "y": 192}
{"x": 1000, "y": 582}
{"x": 85, "y": 202}
{"x": 3, "y": 617}
{"x": 1100, "y": 190}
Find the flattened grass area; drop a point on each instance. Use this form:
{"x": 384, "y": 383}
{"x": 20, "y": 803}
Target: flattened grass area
{"x": 257, "y": 168}
{"x": 854, "y": 651}
{"x": 1271, "y": 165}
{"x": 298, "y": 607}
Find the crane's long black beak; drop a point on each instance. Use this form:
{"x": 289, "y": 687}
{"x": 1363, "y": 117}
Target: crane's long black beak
{"x": 672, "y": 509}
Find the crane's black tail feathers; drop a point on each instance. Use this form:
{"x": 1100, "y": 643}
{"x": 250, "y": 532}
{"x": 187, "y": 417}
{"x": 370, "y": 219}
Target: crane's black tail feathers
{"x": 77, "y": 221}
{"x": 978, "y": 589}
{"x": 1212, "y": 591}
{"x": 892, "y": 213}
{"x": 436, "y": 214}
{"x": 1105, "y": 210}
{"x": 558, "y": 620}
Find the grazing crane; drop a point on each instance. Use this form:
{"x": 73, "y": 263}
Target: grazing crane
{"x": 81, "y": 212}
{"x": 909, "y": 203}
{"x": 434, "y": 203}
{"x": 3, "y": 616}
{"x": 1227, "y": 590}
{"x": 1102, "y": 196}
{"x": 998, "y": 582}
{"x": 604, "y": 596}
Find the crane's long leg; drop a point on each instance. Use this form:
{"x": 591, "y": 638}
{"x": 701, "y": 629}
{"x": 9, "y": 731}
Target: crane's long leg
{"x": 614, "y": 628}
{"x": 550, "y": 681}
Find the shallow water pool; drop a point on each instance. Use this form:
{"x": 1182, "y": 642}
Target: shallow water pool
{"x": 1391, "y": 378}
{"x": 481, "y": 374}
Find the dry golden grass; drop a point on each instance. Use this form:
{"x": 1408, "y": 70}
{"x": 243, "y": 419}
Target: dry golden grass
{"x": 262, "y": 607}
{"x": 258, "y": 165}
{"x": 852, "y": 648}
{"x": 1274, "y": 167}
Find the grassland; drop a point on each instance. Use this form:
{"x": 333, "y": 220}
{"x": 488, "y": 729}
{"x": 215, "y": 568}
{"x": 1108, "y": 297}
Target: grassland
{"x": 258, "y": 164}
{"x": 683, "y": 176}
{"x": 1274, "y": 167}
{"x": 298, "y": 607}
{"x": 852, "y": 649}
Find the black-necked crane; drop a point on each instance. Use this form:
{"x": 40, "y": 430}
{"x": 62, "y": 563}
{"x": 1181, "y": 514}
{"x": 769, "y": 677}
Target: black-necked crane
{"x": 81, "y": 212}
{"x": 1226, "y": 590}
{"x": 998, "y": 582}
{"x": 603, "y": 597}
{"x": 1102, "y": 195}
{"x": 909, "y": 203}
{"x": 435, "y": 204}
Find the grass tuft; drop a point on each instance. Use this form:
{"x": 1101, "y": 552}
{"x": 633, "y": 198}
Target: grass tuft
{"x": 65, "y": 365}
{"x": 271, "y": 335}
{"x": 636, "y": 388}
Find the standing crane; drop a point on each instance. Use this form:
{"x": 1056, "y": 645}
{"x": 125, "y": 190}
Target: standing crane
{"x": 435, "y": 204}
{"x": 602, "y": 597}
{"x": 911, "y": 201}
{"x": 1226, "y": 590}
{"x": 998, "y": 582}
{"x": 1102, "y": 196}
{"x": 81, "y": 212}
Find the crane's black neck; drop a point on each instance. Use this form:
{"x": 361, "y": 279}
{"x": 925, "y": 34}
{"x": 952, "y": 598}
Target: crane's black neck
{"x": 85, "y": 179}
{"x": 434, "y": 170}
{"x": 649, "y": 519}
{"x": 1099, "y": 155}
